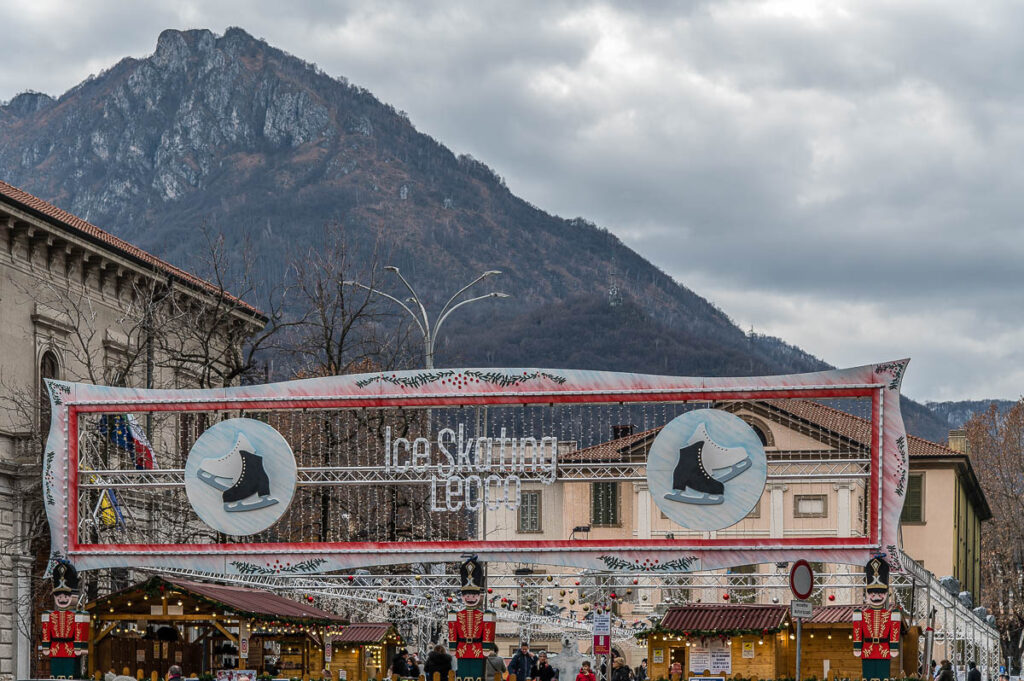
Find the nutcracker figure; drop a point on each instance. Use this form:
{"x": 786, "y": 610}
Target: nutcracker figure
{"x": 876, "y": 630}
{"x": 65, "y": 630}
{"x": 471, "y": 630}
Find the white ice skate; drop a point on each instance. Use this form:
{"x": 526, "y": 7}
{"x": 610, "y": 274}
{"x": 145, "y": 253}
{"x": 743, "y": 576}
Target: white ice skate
{"x": 723, "y": 463}
{"x": 222, "y": 473}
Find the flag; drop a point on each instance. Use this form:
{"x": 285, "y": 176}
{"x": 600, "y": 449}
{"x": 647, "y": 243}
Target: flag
{"x": 110, "y": 510}
{"x": 124, "y": 431}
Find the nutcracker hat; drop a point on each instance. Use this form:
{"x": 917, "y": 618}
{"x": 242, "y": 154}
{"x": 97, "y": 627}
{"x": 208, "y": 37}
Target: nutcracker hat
{"x": 876, "y": 574}
{"x": 471, "y": 574}
{"x": 65, "y": 578}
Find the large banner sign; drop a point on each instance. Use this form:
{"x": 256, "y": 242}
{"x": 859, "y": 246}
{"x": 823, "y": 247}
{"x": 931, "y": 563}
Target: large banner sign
{"x": 586, "y": 469}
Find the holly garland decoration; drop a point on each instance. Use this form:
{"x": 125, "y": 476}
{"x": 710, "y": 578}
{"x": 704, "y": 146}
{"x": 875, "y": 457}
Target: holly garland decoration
{"x": 460, "y": 379}
{"x": 277, "y": 568}
{"x": 684, "y": 564}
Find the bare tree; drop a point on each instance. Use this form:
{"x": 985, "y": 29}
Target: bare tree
{"x": 997, "y": 452}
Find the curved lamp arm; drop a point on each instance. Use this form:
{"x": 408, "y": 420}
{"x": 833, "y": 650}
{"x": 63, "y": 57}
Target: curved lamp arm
{"x": 389, "y": 297}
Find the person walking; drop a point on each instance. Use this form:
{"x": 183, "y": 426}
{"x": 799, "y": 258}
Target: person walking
{"x": 973, "y": 673}
{"x": 640, "y": 673}
{"x": 544, "y": 671}
{"x": 438, "y": 661}
{"x": 400, "y": 663}
{"x": 494, "y": 666}
{"x": 620, "y": 670}
{"x": 585, "y": 673}
{"x": 522, "y": 663}
{"x": 174, "y": 673}
{"x": 946, "y": 671}
{"x": 414, "y": 665}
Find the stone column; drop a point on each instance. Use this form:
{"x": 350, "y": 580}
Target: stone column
{"x": 844, "y": 519}
{"x": 642, "y": 508}
{"x": 777, "y": 517}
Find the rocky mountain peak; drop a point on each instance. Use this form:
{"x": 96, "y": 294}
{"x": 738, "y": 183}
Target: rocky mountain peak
{"x": 28, "y": 103}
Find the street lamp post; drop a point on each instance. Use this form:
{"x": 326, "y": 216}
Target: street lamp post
{"x": 420, "y": 315}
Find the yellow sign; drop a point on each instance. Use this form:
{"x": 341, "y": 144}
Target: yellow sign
{"x": 748, "y": 649}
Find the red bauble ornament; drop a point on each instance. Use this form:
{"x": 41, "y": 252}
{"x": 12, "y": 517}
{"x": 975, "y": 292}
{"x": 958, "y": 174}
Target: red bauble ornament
{"x": 380, "y": 599}
{"x": 577, "y": 583}
{"x": 490, "y": 590}
{"x": 309, "y": 598}
{"x": 725, "y": 597}
{"x": 831, "y": 597}
{"x": 612, "y": 595}
{"x": 636, "y": 581}
{"x": 405, "y": 602}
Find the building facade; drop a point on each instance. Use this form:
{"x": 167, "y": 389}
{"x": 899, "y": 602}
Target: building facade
{"x": 943, "y": 492}
{"x": 78, "y": 304}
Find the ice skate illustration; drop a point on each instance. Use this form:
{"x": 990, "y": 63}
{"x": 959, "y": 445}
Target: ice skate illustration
{"x": 240, "y": 475}
{"x": 703, "y": 468}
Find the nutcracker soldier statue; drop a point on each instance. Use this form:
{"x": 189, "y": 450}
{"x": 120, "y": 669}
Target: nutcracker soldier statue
{"x": 65, "y": 630}
{"x": 471, "y": 630}
{"x": 876, "y": 630}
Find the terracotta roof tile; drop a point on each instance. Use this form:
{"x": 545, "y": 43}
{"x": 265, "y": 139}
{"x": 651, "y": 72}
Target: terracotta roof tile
{"x": 363, "y": 633}
{"x": 703, "y": 617}
{"x": 77, "y": 224}
{"x": 255, "y": 602}
{"x": 831, "y": 614}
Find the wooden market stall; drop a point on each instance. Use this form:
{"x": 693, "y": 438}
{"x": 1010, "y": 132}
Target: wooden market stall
{"x": 363, "y": 651}
{"x": 759, "y": 641}
{"x": 205, "y": 628}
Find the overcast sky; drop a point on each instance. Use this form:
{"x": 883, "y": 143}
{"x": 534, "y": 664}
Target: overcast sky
{"x": 845, "y": 175}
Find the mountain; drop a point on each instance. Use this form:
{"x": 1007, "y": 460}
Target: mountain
{"x": 229, "y": 132}
{"x": 956, "y": 413}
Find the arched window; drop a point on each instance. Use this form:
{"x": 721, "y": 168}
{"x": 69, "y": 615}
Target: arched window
{"x": 48, "y": 368}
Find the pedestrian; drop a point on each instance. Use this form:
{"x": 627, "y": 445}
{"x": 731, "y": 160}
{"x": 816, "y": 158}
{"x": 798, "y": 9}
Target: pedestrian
{"x": 495, "y": 666}
{"x": 522, "y": 663}
{"x": 973, "y": 673}
{"x": 544, "y": 671}
{"x": 640, "y": 673}
{"x": 620, "y": 670}
{"x": 400, "y": 663}
{"x": 438, "y": 661}
{"x": 933, "y": 670}
{"x": 946, "y": 671}
{"x": 585, "y": 673}
{"x": 325, "y": 674}
{"x": 174, "y": 673}
{"x": 414, "y": 665}
{"x": 676, "y": 668}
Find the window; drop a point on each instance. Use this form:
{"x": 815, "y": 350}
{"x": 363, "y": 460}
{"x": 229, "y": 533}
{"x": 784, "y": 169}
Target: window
{"x": 810, "y": 506}
{"x": 48, "y": 368}
{"x": 529, "y": 512}
{"x": 741, "y": 588}
{"x": 604, "y": 504}
{"x": 913, "y": 505}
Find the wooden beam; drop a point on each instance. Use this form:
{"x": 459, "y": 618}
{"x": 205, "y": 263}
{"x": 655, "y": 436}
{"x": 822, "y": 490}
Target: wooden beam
{"x": 227, "y": 634}
{"x": 154, "y": 618}
{"x": 100, "y": 636}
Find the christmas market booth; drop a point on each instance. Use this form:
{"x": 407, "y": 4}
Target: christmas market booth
{"x": 362, "y": 650}
{"x": 206, "y": 628}
{"x": 759, "y": 641}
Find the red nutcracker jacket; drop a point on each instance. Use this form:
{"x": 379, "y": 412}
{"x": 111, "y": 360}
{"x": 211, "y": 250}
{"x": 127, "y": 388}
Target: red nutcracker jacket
{"x": 876, "y": 633}
{"x": 64, "y": 632}
{"x": 471, "y": 633}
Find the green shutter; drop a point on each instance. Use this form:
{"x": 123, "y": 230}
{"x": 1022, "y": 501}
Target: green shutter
{"x": 913, "y": 504}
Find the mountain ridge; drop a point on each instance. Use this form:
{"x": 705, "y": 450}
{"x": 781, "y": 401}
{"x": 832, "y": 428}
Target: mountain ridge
{"x": 230, "y": 132}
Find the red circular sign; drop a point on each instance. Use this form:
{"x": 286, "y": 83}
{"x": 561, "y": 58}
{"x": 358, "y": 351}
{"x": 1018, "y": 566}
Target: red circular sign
{"x": 801, "y": 579}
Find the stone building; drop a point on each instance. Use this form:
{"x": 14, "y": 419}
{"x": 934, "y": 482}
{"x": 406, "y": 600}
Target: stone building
{"x": 79, "y": 304}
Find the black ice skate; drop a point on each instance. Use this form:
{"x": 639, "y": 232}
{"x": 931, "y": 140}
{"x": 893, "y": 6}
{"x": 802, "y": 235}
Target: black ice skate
{"x": 691, "y": 482}
{"x": 252, "y": 482}
{"x": 240, "y": 475}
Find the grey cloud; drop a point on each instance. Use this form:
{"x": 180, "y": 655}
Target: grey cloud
{"x": 859, "y": 159}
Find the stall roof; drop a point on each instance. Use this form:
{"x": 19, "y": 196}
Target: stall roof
{"x": 239, "y": 600}
{"x": 363, "y": 633}
{"x": 708, "y": 617}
